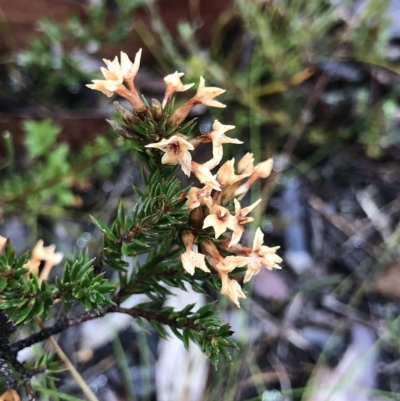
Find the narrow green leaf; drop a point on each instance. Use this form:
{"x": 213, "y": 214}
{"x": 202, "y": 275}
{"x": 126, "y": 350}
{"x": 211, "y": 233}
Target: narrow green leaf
{"x": 225, "y": 353}
{"x": 205, "y": 308}
{"x": 185, "y": 338}
{"x": 121, "y": 214}
{"x": 23, "y": 314}
{"x": 3, "y": 284}
{"x": 103, "y": 228}
{"x": 36, "y": 310}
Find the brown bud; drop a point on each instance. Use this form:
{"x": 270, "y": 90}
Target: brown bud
{"x": 180, "y": 113}
{"x": 196, "y": 218}
{"x": 188, "y": 238}
{"x": 209, "y": 249}
{"x": 129, "y": 117}
{"x": 123, "y": 131}
{"x": 156, "y": 109}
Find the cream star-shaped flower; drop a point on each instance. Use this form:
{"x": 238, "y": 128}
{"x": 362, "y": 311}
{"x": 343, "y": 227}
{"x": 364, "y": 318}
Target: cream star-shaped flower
{"x": 226, "y": 174}
{"x": 176, "y": 151}
{"x": 46, "y": 254}
{"x": 239, "y": 220}
{"x": 174, "y": 84}
{"x": 230, "y": 263}
{"x": 231, "y": 289}
{"x": 218, "y": 138}
{"x": 206, "y": 95}
{"x": 261, "y": 255}
{"x": 204, "y": 176}
{"x": 129, "y": 70}
{"x": 246, "y": 164}
{"x": 219, "y": 218}
{"x": 113, "y": 79}
{"x": 191, "y": 260}
{"x": 263, "y": 169}
{"x": 199, "y": 196}
{"x": 115, "y": 74}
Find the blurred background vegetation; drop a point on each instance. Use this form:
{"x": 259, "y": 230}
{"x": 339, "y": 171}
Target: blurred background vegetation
{"x": 314, "y": 84}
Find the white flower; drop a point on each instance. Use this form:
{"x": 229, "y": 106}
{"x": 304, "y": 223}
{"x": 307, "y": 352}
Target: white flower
{"x": 231, "y": 289}
{"x": 129, "y": 70}
{"x": 174, "y": 84}
{"x": 199, "y": 196}
{"x": 204, "y": 176}
{"x": 263, "y": 169}
{"x": 261, "y": 255}
{"x": 115, "y": 75}
{"x": 219, "y": 218}
{"x": 46, "y": 254}
{"x": 230, "y": 263}
{"x": 218, "y": 138}
{"x": 206, "y": 95}
{"x": 246, "y": 164}
{"x": 3, "y": 241}
{"x": 176, "y": 151}
{"x": 191, "y": 260}
{"x": 239, "y": 220}
{"x": 226, "y": 174}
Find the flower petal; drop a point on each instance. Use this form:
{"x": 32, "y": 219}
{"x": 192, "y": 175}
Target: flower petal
{"x": 206, "y": 95}
{"x": 231, "y": 289}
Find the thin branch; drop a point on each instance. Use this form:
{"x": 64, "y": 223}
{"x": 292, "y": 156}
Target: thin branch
{"x": 65, "y": 323}
{"x": 42, "y": 335}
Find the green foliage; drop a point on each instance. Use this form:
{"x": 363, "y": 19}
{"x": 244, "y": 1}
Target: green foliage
{"x": 79, "y": 283}
{"x": 201, "y": 327}
{"x": 152, "y": 227}
{"x": 41, "y": 136}
{"x": 149, "y": 127}
{"x": 22, "y": 296}
{"x": 44, "y": 186}
{"x": 292, "y": 42}
{"x": 51, "y": 65}
{"x": 369, "y": 33}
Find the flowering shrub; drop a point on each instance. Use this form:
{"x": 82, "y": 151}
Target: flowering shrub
{"x": 162, "y": 124}
{"x": 188, "y": 234}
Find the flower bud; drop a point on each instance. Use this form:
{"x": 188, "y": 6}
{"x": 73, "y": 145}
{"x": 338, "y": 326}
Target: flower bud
{"x": 231, "y": 289}
{"x": 196, "y": 218}
{"x": 156, "y": 109}
{"x": 263, "y": 169}
{"x": 126, "y": 114}
{"x": 123, "y": 131}
{"x": 209, "y": 249}
{"x": 188, "y": 238}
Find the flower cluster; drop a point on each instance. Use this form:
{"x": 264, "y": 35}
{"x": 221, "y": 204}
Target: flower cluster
{"x": 214, "y": 209}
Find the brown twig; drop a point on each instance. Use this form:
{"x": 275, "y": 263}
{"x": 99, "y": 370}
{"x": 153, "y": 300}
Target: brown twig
{"x": 65, "y": 323}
